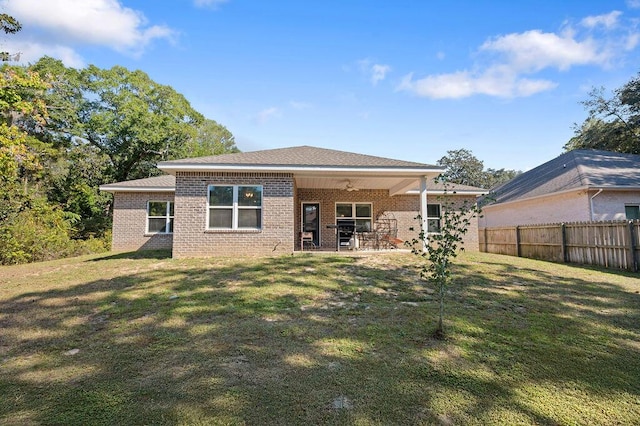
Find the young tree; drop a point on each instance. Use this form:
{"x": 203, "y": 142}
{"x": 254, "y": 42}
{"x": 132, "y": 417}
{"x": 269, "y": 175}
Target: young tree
{"x": 442, "y": 248}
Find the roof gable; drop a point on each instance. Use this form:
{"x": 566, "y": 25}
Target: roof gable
{"x": 573, "y": 170}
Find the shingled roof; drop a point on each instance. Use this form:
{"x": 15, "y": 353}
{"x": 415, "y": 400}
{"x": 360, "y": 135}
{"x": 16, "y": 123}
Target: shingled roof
{"x": 299, "y": 156}
{"x": 578, "y": 169}
{"x": 164, "y": 183}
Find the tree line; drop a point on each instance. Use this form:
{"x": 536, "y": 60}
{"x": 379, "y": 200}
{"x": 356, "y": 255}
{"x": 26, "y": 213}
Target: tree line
{"x": 65, "y": 131}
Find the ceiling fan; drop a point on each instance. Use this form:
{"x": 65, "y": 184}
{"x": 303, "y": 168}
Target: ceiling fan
{"x": 349, "y": 187}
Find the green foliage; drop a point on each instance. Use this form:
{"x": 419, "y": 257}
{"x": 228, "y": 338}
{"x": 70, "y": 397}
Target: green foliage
{"x": 462, "y": 167}
{"x": 21, "y": 95}
{"x": 65, "y": 131}
{"x": 613, "y": 124}
{"x": 39, "y": 232}
{"x": 132, "y": 119}
{"x": 9, "y": 24}
{"x": 211, "y": 138}
{"x": 443, "y": 246}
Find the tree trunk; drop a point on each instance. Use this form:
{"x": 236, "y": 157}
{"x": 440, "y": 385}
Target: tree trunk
{"x": 439, "y": 333}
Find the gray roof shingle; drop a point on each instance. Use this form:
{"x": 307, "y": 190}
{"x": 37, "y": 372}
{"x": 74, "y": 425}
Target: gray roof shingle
{"x": 572, "y": 170}
{"x": 164, "y": 182}
{"x": 299, "y": 156}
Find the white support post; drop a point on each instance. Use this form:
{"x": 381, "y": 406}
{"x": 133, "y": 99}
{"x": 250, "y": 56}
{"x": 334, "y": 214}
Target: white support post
{"x": 423, "y": 211}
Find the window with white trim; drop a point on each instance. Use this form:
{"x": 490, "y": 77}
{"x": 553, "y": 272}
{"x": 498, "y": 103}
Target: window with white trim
{"x": 160, "y": 217}
{"x": 235, "y": 207}
{"x": 434, "y": 218}
{"x": 361, "y": 212}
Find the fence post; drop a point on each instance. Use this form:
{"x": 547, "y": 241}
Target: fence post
{"x": 486, "y": 243}
{"x": 633, "y": 256}
{"x": 563, "y": 229}
{"x": 518, "y": 241}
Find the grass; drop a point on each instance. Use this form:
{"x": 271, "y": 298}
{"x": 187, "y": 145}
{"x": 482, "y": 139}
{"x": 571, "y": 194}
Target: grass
{"x": 145, "y": 339}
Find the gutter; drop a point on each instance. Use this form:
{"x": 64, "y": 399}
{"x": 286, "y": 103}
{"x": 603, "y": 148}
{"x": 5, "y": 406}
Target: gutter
{"x": 115, "y": 188}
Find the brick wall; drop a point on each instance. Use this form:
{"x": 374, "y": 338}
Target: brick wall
{"x": 192, "y": 239}
{"x": 130, "y": 222}
{"x": 403, "y": 207}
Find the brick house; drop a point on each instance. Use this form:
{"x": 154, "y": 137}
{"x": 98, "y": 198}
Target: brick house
{"x": 264, "y": 202}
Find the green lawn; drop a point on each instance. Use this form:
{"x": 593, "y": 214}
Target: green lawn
{"x": 316, "y": 339}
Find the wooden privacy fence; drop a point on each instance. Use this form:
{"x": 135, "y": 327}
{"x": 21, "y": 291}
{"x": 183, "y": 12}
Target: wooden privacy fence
{"x": 610, "y": 244}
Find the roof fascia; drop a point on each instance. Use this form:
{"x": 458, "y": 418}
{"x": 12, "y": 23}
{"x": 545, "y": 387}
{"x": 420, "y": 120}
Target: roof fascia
{"x": 113, "y": 189}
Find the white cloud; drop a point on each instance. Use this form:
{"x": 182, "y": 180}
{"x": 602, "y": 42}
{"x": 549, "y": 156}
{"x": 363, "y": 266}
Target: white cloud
{"x": 632, "y": 41}
{"x": 610, "y": 20}
{"x": 379, "y": 72}
{"x": 267, "y": 114}
{"x": 62, "y": 25}
{"x": 493, "y": 82}
{"x": 32, "y": 51}
{"x": 535, "y": 50}
{"x": 633, "y": 4}
{"x": 507, "y": 65}
{"x": 208, "y": 3}
{"x": 374, "y": 72}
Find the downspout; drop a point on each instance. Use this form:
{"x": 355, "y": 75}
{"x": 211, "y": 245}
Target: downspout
{"x": 591, "y": 203}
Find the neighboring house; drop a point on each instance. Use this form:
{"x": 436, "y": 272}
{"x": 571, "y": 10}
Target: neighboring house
{"x": 580, "y": 185}
{"x": 260, "y": 202}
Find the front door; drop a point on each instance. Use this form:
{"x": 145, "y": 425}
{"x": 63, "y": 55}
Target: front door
{"x": 311, "y": 220}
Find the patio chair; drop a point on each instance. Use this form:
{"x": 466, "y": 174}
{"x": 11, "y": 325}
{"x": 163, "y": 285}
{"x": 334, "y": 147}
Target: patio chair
{"x": 386, "y": 227}
{"x": 306, "y": 241}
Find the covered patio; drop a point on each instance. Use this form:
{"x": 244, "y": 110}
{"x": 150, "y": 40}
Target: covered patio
{"x": 362, "y": 210}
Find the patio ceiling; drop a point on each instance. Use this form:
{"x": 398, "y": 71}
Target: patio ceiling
{"x": 394, "y": 184}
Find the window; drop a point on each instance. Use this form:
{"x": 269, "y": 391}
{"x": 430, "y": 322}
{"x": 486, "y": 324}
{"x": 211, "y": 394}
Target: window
{"x": 632, "y": 212}
{"x": 433, "y": 218}
{"x": 361, "y": 212}
{"x": 160, "y": 217}
{"x": 235, "y": 207}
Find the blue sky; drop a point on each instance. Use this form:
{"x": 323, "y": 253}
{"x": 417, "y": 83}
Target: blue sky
{"x": 400, "y": 79}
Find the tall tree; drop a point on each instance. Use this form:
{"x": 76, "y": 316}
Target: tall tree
{"x": 462, "y": 167}
{"x": 133, "y": 120}
{"x": 211, "y": 138}
{"x": 495, "y": 177}
{"x": 613, "y": 123}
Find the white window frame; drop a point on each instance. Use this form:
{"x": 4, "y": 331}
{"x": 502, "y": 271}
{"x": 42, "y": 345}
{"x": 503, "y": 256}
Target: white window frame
{"x": 235, "y": 208}
{"x": 438, "y": 218}
{"x": 353, "y": 212}
{"x": 168, "y": 217}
